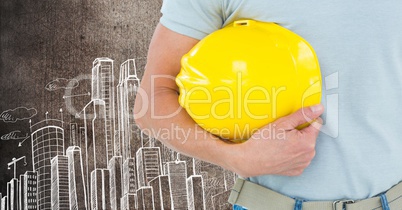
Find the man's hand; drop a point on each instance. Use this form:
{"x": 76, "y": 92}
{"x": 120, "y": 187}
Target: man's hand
{"x": 279, "y": 148}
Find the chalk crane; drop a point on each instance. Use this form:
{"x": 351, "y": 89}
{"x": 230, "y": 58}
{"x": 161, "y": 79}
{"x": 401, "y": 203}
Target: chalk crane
{"x": 14, "y": 162}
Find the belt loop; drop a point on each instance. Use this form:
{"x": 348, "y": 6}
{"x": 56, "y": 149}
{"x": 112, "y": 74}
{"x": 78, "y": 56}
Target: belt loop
{"x": 236, "y": 191}
{"x": 298, "y": 204}
{"x": 341, "y": 203}
{"x": 384, "y": 202}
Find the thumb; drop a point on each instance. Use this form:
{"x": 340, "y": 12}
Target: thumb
{"x": 313, "y": 129}
{"x": 300, "y": 117}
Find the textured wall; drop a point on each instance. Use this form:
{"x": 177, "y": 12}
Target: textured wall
{"x": 47, "y": 51}
{"x": 49, "y": 39}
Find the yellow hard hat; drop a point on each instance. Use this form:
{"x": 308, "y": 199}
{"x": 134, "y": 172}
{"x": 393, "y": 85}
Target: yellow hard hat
{"x": 246, "y": 75}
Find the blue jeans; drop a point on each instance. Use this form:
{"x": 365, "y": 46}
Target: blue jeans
{"x": 237, "y": 207}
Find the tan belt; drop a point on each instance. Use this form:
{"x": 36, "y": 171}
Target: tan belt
{"x": 255, "y": 197}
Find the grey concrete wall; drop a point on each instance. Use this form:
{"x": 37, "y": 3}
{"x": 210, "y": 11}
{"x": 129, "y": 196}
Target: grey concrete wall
{"x": 47, "y": 45}
{"x": 42, "y": 40}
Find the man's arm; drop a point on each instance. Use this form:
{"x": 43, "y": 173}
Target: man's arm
{"x": 159, "y": 114}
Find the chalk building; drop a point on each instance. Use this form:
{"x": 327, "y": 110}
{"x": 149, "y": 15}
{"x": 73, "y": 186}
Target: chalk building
{"x": 230, "y": 179}
{"x": 214, "y": 180}
{"x": 13, "y": 194}
{"x": 220, "y": 201}
{"x": 103, "y": 89}
{"x": 115, "y": 169}
{"x": 77, "y": 186}
{"x": 177, "y": 174}
{"x": 148, "y": 165}
{"x": 126, "y": 92}
{"x": 4, "y": 203}
{"x": 95, "y": 140}
{"x": 100, "y": 189}
{"x": 47, "y": 142}
{"x": 145, "y": 199}
{"x": 28, "y": 187}
{"x": 195, "y": 193}
{"x": 74, "y": 134}
{"x": 82, "y": 144}
{"x": 129, "y": 201}
{"x": 60, "y": 195}
{"x": 189, "y": 164}
{"x": 161, "y": 192}
{"x": 129, "y": 176}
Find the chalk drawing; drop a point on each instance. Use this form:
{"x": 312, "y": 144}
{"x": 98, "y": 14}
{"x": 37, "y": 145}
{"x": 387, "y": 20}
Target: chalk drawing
{"x": 62, "y": 83}
{"x": 17, "y": 114}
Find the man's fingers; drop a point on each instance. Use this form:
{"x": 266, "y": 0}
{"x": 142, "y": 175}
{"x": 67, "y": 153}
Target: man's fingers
{"x": 313, "y": 129}
{"x": 300, "y": 117}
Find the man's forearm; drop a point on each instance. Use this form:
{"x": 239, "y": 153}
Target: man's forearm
{"x": 157, "y": 109}
{"x": 165, "y": 120}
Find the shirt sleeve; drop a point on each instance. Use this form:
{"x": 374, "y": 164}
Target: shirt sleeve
{"x": 193, "y": 18}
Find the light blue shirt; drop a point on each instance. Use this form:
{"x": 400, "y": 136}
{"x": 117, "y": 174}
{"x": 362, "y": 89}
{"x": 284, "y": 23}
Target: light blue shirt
{"x": 359, "y": 47}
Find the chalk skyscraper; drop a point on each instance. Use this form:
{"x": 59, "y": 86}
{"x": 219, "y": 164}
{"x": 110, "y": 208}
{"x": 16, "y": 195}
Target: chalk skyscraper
{"x": 77, "y": 187}
{"x": 28, "y": 186}
{"x": 148, "y": 165}
{"x": 177, "y": 174}
{"x": 103, "y": 89}
{"x": 47, "y": 142}
{"x": 59, "y": 185}
{"x": 126, "y": 92}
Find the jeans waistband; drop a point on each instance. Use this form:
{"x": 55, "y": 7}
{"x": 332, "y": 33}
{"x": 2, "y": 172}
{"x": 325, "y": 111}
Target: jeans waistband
{"x": 255, "y": 197}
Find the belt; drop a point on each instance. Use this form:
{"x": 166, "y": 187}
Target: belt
{"x": 256, "y": 197}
